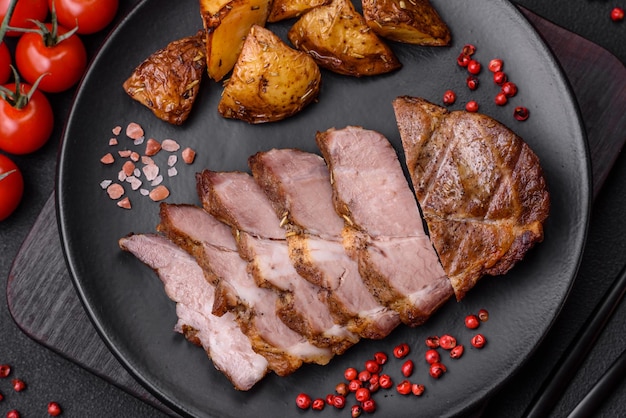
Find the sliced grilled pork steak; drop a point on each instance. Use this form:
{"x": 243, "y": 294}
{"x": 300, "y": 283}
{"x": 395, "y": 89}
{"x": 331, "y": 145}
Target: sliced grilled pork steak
{"x": 384, "y": 230}
{"x": 480, "y": 187}
{"x": 184, "y": 282}
{"x": 213, "y": 244}
{"x": 298, "y": 185}
{"x": 236, "y": 199}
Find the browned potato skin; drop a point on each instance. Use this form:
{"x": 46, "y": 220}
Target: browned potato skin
{"x": 409, "y": 21}
{"x": 287, "y": 9}
{"x": 168, "y": 81}
{"x": 227, "y": 23}
{"x": 270, "y": 81}
{"x": 338, "y": 38}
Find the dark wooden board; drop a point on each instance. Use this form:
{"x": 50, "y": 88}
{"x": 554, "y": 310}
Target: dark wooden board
{"x": 45, "y": 306}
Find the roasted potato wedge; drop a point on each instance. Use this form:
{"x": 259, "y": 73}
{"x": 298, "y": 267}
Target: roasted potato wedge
{"x": 409, "y": 21}
{"x": 167, "y": 82}
{"x": 270, "y": 81}
{"x": 338, "y": 38}
{"x": 287, "y": 9}
{"x": 226, "y": 24}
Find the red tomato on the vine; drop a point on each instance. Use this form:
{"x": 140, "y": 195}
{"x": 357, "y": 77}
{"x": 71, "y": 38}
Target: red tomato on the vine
{"x": 24, "y": 10}
{"x": 91, "y": 16}
{"x": 5, "y": 63}
{"x": 25, "y": 130}
{"x": 11, "y": 187}
{"x": 63, "y": 62}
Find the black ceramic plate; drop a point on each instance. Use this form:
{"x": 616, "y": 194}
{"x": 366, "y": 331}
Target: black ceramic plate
{"x": 127, "y": 303}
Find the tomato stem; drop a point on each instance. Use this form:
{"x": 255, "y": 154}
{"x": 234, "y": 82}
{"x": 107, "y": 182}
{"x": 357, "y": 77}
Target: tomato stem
{"x": 7, "y": 174}
{"x": 16, "y": 98}
{"x": 7, "y": 17}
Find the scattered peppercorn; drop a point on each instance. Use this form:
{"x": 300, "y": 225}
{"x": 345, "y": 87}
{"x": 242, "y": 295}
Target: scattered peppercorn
{"x": 385, "y": 381}
{"x": 617, "y": 14}
{"x": 362, "y": 394}
{"x": 457, "y": 351}
{"x": 472, "y": 82}
{"x": 447, "y": 342}
{"x": 432, "y": 356}
{"x": 364, "y": 376}
{"x": 474, "y": 67}
{"x": 469, "y": 50}
{"x": 437, "y": 370}
{"x": 495, "y": 65}
{"x": 404, "y": 387}
{"x": 432, "y": 342}
{"x": 372, "y": 366}
{"x": 5, "y": 370}
{"x": 369, "y": 406}
{"x": 483, "y": 315}
{"x": 501, "y": 99}
{"x": 500, "y": 77}
{"x": 13, "y": 413}
{"x": 449, "y": 97}
{"x": 303, "y": 401}
{"x": 509, "y": 89}
{"x": 401, "y": 350}
{"x": 18, "y": 385}
{"x": 417, "y": 389}
{"x": 318, "y": 404}
{"x": 342, "y": 388}
{"x": 351, "y": 373}
{"x": 339, "y": 401}
{"x": 472, "y": 321}
{"x": 380, "y": 357}
{"x": 472, "y": 106}
{"x": 521, "y": 113}
{"x": 479, "y": 341}
{"x": 54, "y": 409}
{"x": 407, "y": 368}
{"x": 356, "y": 411}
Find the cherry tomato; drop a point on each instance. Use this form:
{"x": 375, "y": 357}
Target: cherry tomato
{"x": 65, "y": 62}
{"x": 11, "y": 186}
{"x": 24, "y": 10}
{"x": 25, "y": 130}
{"x": 5, "y": 63}
{"x": 90, "y": 15}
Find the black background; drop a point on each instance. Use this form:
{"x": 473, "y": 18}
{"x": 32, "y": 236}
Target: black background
{"x": 50, "y": 377}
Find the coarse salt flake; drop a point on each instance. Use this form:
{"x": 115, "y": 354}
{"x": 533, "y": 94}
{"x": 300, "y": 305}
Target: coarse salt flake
{"x": 115, "y": 191}
{"x": 134, "y": 130}
{"x": 158, "y": 180}
{"x": 170, "y": 145}
{"x": 151, "y": 171}
{"x": 171, "y": 172}
{"x": 124, "y": 203}
{"x": 171, "y": 160}
{"x": 105, "y": 183}
{"x": 152, "y": 147}
{"x": 188, "y": 155}
{"x": 159, "y": 193}
{"x": 107, "y": 158}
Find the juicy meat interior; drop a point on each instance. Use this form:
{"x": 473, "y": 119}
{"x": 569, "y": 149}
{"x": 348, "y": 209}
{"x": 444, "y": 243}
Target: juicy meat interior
{"x": 384, "y": 230}
{"x": 298, "y": 185}
{"x": 220, "y": 336}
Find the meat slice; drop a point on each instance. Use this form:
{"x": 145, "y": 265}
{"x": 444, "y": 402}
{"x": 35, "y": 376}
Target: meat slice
{"x": 168, "y": 81}
{"x": 213, "y": 245}
{"x": 384, "y": 230}
{"x": 298, "y": 185}
{"x": 480, "y": 187}
{"x": 236, "y": 199}
{"x": 184, "y": 282}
